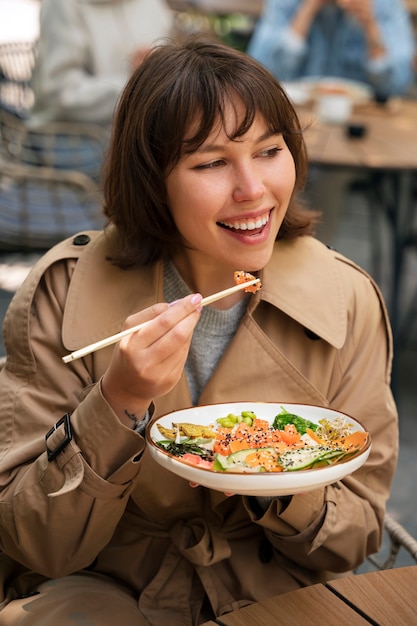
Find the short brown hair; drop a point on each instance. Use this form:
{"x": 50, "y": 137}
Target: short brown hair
{"x": 181, "y": 86}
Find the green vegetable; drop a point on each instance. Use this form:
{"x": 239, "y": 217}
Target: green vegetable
{"x": 309, "y": 457}
{"x": 248, "y": 417}
{"x": 301, "y": 424}
{"x": 217, "y": 466}
{"x": 231, "y": 420}
{"x": 179, "y": 449}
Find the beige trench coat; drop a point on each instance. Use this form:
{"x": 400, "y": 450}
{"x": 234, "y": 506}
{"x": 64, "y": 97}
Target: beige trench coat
{"x": 315, "y": 333}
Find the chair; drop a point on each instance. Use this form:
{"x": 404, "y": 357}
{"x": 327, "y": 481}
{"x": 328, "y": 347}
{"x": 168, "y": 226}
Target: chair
{"x": 49, "y": 174}
{"x": 64, "y": 145}
{"x": 398, "y": 538}
{"x": 17, "y": 60}
{"x": 40, "y": 206}
{"x": 61, "y": 145}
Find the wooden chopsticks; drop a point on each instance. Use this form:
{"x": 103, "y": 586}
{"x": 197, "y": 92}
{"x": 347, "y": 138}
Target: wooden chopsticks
{"x": 108, "y": 341}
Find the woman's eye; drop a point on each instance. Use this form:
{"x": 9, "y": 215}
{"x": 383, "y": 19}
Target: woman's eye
{"x": 210, "y": 166}
{"x": 270, "y": 152}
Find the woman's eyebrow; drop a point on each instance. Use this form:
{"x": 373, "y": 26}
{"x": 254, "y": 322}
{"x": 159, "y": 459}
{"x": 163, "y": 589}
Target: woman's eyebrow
{"x": 214, "y": 147}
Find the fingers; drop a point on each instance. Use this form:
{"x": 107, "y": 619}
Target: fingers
{"x": 166, "y": 316}
{"x": 149, "y": 362}
{"x": 168, "y": 332}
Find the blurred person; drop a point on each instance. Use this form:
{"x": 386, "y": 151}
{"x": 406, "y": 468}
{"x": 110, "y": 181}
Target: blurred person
{"x": 370, "y": 41}
{"x": 205, "y": 165}
{"x": 86, "y": 51}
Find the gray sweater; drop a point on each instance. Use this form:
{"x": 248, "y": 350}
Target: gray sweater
{"x": 213, "y": 333}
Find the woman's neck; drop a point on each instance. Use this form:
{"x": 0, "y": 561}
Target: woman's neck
{"x": 208, "y": 279}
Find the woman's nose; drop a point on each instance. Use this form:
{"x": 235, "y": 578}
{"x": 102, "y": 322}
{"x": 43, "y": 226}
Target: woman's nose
{"x": 248, "y": 185}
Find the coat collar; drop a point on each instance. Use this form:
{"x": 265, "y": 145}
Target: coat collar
{"x": 101, "y": 295}
{"x": 302, "y": 280}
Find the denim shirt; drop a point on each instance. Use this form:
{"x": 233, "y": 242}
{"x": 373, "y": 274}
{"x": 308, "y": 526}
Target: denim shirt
{"x": 336, "y": 46}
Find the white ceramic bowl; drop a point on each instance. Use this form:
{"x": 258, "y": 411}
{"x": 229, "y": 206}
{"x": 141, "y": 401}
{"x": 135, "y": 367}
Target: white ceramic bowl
{"x": 265, "y": 483}
{"x": 310, "y": 89}
{"x": 358, "y": 92}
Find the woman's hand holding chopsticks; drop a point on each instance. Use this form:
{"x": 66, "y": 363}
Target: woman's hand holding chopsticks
{"x": 147, "y": 364}
{"x": 245, "y": 285}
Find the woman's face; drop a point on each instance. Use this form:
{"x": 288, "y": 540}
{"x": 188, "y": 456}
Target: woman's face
{"x": 229, "y": 198}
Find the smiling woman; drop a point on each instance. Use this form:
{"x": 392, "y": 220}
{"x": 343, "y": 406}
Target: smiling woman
{"x": 240, "y": 192}
{"x": 202, "y": 117}
{"x": 203, "y": 172}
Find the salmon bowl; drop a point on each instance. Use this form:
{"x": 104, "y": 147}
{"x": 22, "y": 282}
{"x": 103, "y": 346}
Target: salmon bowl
{"x": 259, "y": 448}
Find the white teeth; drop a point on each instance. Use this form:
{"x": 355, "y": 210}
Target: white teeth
{"x": 249, "y": 224}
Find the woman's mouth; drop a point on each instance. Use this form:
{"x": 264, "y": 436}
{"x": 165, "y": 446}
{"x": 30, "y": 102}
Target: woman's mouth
{"x": 246, "y": 224}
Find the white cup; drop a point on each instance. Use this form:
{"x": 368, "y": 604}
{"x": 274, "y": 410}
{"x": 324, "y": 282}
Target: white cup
{"x": 334, "y": 108}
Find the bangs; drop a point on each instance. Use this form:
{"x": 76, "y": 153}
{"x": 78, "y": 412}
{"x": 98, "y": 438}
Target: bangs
{"x": 198, "y": 99}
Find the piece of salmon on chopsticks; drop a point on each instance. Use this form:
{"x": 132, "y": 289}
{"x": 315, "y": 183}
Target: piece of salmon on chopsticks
{"x": 242, "y": 277}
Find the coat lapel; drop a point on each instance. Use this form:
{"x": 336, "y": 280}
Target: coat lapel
{"x": 255, "y": 369}
{"x": 102, "y": 295}
{"x": 302, "y": 280}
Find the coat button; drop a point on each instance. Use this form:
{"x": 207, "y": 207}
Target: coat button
{"x": 81, "y": 240}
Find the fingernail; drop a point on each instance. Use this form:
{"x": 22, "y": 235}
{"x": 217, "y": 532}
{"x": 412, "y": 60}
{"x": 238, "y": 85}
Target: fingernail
{"x": 196, "y": 300}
